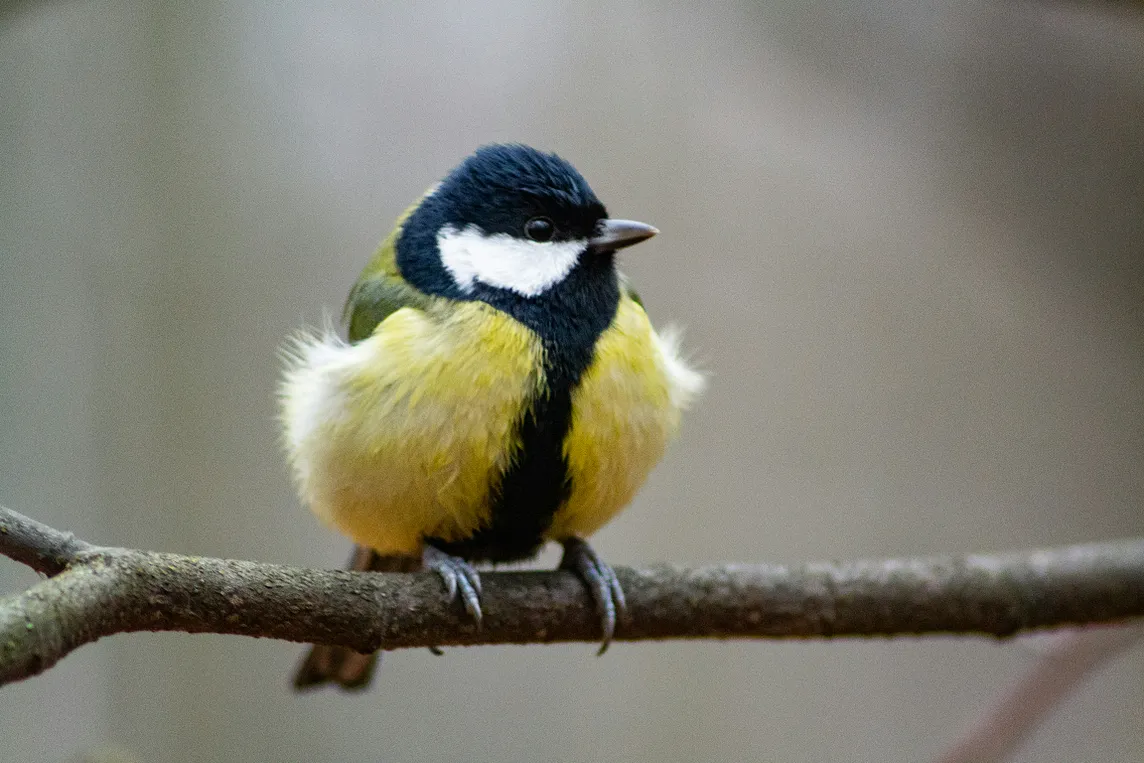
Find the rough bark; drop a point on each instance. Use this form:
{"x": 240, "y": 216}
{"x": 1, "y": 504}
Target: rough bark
{"x": 96, "y": 591}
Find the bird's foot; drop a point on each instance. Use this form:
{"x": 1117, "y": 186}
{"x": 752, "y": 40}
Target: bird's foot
{"x": 461, "y": 580}
{"x": 602, "y": 584}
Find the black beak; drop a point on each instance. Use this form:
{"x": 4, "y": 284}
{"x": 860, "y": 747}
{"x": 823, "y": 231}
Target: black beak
{"x": 616, "y": 234}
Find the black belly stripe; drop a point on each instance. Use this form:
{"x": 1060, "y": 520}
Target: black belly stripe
{"x": 569, "y": 319}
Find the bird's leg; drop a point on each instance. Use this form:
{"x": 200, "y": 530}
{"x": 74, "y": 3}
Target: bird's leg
{"x": 602, "y": 584}
{"x": 461, "y": 580}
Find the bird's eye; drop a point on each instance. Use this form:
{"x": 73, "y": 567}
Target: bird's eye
{"x": 539, "y": 229}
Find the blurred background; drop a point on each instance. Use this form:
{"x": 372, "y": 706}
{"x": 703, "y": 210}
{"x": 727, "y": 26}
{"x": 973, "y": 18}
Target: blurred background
{"x": 905, "y": 239}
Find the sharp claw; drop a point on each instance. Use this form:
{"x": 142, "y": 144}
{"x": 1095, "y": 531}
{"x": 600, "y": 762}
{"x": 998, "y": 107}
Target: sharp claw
{"x": 470, "y": 597}
{"x": 602, "y": 583}
{"x": 461, "y": 580}
{"x": 609, "y": 625}
{"x": 618, "y": 596}
{"x": 616, "y": 608}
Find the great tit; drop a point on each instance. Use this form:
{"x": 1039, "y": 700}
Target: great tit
{"x": 501, "y": 387}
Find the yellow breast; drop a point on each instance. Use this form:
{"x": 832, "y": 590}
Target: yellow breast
{"x": 395, "y": 438}
{"x": 624, "y": 412}
{"x": 403, "y": 435}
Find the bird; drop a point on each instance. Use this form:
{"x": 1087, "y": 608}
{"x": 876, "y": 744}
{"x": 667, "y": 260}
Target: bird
{"x": 499, "y": 386}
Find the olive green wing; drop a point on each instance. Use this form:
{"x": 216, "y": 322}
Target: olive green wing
{"x": 374, "y": 298}
{"x": 380, "y": 290}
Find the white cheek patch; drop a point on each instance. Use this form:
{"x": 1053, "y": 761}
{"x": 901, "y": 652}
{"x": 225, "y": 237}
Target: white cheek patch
{"x": 529, "y": 268}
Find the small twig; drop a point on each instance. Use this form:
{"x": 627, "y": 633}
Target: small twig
{"x": 33, "y": 543}
{"x": 102, "y": 591}
{"x": 1014, "y": 715}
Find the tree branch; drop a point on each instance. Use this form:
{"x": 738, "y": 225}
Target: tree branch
{"x": 33, "y": 543}
{"x": 100, "y": 591}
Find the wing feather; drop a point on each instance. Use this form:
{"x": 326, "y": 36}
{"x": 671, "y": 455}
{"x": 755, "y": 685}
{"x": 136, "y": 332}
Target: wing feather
{"x": 380, "y": 290}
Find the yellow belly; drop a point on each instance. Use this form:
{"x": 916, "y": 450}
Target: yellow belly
{"x": 624, "y": 412}
{"x": 403, "y": 435}
{"x": 399, "y": 436}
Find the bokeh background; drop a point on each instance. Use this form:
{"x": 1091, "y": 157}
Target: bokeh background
{"x": 906, "y": 239}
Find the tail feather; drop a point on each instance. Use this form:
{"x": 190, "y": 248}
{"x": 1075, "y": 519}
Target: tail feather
{"x": 339, "y": 665}
{"x": 352, "y": 671}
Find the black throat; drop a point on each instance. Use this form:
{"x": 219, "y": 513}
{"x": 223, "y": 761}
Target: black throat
{"x": 569, "y": 319}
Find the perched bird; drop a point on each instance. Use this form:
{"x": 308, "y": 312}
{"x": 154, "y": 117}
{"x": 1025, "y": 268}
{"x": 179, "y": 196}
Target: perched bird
{"x": 501, "y": 387}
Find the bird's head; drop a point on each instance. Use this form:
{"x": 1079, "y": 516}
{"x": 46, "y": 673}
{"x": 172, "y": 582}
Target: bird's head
{"x": 512, "y": 225}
